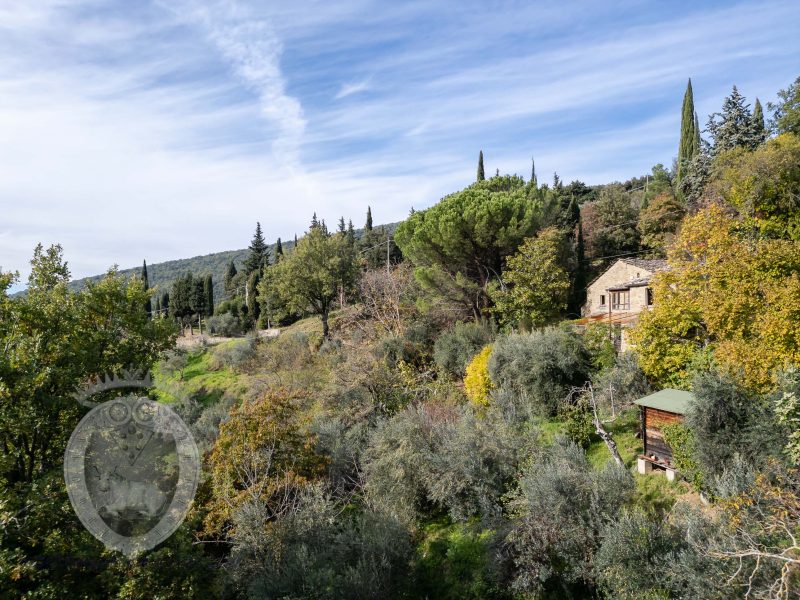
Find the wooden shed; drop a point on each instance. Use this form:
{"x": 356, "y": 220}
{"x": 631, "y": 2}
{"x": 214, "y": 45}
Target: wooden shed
{"x": 657, "y": 410}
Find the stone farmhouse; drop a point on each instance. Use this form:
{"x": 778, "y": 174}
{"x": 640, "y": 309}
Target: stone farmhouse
{"x": 620, "y": 293}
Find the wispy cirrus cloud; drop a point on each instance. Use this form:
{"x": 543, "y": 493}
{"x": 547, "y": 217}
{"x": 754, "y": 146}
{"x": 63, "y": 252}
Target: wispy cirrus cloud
{"x": 164, "y": 129}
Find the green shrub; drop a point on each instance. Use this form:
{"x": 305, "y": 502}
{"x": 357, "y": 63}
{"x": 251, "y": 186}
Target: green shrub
{"x": 680, "y": 439}
{"x": 234, "y": 354}
{"x": 541, "y": 366}
{"x": 598, "y": 339}
{"x": 225, "y": 325}
{"x": 455, "y": 347}
{"x": 578, "y": 422}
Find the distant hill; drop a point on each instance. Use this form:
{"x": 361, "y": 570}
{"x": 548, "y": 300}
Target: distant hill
{"x": 161, "y": 275}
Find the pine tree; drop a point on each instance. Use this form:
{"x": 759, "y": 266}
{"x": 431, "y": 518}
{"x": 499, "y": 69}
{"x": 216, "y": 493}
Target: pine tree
{"x": 342, "y": 227}
{"x": 481, "y": 175}
{"x": 688, "y": 147}
{"x": 209, "y": 296}
{"x": 259, "y": 253}
{"x": 368, "y": 224}
{"x": 533, "y": 172}
{"x": 148, "y": 307}
{"x": 314, "y": 221}
{"x": 733, "y": 127}
{"x": 759, "y": 126}
{"x": 278, "y": 250}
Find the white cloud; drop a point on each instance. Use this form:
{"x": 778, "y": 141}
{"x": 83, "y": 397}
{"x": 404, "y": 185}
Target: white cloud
{"x": 348, "y": 89}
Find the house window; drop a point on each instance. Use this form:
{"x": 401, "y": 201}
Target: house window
{"x": 621, "y": 300}
{"x": 602, "y": 299}
{"x": 649, "y": 294}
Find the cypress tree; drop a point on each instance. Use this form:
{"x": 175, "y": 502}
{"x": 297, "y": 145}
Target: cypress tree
{"x": 368, "y": 224}
{"x": 209, "y": 295}
{"x": 696, "y": 144}
{"x": 165, "y": 302}
{"x": 688, "y": 147}
{"x": 759, "y": 127}
{"x": 533, "y": 171}
{"x": 295, "y": 240}
{"x": 351, "y": 233}
{"x": 229, "y": 275}
{"x": 278, "y": 250}
{"x": 481, "y": 175}
{"x": 157, "y": 306}
{"x": 314, "y": 221}
{"x": 259, "y": 252}
{"x": 342, "y": 226}
{"x": 148, "y": 307}
{"x": 579, "y": 283}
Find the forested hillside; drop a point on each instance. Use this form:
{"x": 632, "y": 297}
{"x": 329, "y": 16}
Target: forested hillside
{"x": 434, "y": 419}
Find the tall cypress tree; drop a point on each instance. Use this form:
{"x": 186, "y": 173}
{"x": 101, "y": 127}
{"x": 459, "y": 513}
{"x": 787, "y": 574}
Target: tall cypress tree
{"x": 533, "y": 171}
{"x": 688, "y": 147}
{"x": 368, "y": 224}
{"x": 481, "y": 174}
{"x": 351, "y": 232}
{"x": 165, "y": 302}
{"x": 759, "y": 127}
{"x": 148, "y": 307}
{"x": 259, "y": 252}
{"x": 278, "y": 250}
{"x": 209, "y": 293}
{"x": 229, "y": 275}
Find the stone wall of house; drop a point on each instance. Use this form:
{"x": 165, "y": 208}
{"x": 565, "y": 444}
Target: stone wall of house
{"x": 617, "y": 273}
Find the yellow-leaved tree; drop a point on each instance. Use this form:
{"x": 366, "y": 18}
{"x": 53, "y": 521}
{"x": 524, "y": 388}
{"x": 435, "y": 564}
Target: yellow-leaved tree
{"x": 728, "y": 292}
{"x": 477, "y": 383}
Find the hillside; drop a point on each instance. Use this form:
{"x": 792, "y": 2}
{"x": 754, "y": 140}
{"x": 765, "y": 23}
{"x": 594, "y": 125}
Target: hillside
{"x": 161, "y": 275}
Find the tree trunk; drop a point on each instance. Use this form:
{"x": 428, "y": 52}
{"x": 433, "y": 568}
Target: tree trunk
{"x": 325, "y": 329}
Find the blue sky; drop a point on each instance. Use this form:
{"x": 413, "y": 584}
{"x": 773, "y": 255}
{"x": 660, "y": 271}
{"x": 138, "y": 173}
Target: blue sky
{"x": 166, "y": 129}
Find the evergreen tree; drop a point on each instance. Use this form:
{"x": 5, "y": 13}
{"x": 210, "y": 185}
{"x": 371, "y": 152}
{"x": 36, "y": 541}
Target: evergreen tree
{"x": 209, "y": 296}
{"x": 253, "y": 308}
{"x": 259, "y": 253}
{"x": 533, "y": 172}
{"x": 368, "y": 224}
{"x": 351, "y": 233}
{"x": 157, "y": 306}
{"x": 733, "y": 127}
{"x": 786, "y": 111}
{"x": 481, "y": 174}
{"x": 342, "y": 227}
{"x": 278, "y": 250}
{"x": 148, "y": 307}
{"x": 229, "y": 281}
{"x": 165, "y": 302}
{"x": 759, "y": 126}
{"x": 314, "y": 221}
{"x": 295, "y": 240}
{"x": 688, "y": 146}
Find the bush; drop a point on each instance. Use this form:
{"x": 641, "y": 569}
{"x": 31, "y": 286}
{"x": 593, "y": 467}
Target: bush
{"x": 578, "y": 421}
{"x": 681, "y": 440}
{"x": 727, "y": 419}
{"x": 234, "y": 354}
{"x": 313, "y": 549}
{"x": 560, "y": 510}
{"x": 435, "y": 456}
{"x": 634, "y": 558}
{"x": 225, "y": 325}
{"x": 598, "y": 339}
{"x": 541, "y": 366}
{"x": 477, "y": 383}
{"x": 455, "y": 347}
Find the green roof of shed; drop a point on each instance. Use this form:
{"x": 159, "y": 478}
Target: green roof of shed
{"x": 674, "y": 401}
